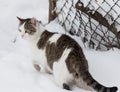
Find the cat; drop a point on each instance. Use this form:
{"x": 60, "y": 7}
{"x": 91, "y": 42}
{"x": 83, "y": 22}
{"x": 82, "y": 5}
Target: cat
{"x": 60, "y": 55}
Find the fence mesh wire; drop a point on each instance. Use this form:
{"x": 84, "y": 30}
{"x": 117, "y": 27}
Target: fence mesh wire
{"x": 96, "y": 22}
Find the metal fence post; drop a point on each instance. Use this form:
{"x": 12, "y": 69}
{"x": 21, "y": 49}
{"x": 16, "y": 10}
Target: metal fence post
{"x": 52, "y": 13}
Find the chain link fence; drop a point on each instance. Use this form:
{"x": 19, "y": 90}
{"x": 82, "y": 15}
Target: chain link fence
{"x": 96, "y": 22}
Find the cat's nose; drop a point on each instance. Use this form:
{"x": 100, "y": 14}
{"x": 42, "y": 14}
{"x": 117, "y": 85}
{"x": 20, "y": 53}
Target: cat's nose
{"x": 22, "y": 35}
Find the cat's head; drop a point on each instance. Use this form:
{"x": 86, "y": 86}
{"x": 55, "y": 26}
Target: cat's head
{"x": 28, "y": 27}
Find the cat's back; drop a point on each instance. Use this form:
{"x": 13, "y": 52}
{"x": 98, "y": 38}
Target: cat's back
{"x": 61, "y": 40}
{"x": 56, "y": 43}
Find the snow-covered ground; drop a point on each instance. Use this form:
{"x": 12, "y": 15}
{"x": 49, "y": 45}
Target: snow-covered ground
{"x": 16, "y": 71}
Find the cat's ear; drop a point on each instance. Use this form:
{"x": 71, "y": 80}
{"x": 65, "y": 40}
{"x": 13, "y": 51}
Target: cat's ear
{"x": 34, "y": 21}
{"x": 21, "y": 21}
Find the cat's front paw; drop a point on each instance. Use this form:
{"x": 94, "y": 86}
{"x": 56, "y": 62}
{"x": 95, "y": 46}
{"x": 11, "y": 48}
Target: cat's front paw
{"x": 37, "y": 67}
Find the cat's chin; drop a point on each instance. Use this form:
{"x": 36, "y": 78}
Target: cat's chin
{"x": 24, "y": 37}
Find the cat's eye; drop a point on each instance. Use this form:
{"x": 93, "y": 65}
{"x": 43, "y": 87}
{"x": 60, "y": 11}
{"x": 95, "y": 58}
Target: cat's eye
{"x": 25, "y": 31}
{"x": 20, "y": 30}
{"x": 32, "y": 31}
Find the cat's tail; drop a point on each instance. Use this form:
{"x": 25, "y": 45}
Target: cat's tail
{"x": 91, "y": 82}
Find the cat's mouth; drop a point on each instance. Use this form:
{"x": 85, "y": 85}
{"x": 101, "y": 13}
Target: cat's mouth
{"x": 22, "y": 36}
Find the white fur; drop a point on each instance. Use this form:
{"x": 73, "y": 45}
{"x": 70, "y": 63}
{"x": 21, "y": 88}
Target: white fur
{"x": 80, "y": 83}
{"x": 54, "y": 38}
{"x": 60, "y": 70}
{"x": 39, "y": 55}
{"x": 22, "y": 33}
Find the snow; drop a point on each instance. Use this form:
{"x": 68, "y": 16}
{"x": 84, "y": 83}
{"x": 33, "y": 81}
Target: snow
{"x": 16, "y": 71}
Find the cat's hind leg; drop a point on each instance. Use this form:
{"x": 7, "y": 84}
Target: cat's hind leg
{"x": 62, "y": 76}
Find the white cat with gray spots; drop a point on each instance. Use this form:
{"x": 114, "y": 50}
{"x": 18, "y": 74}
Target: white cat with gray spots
{"x": 60, "y": 55}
